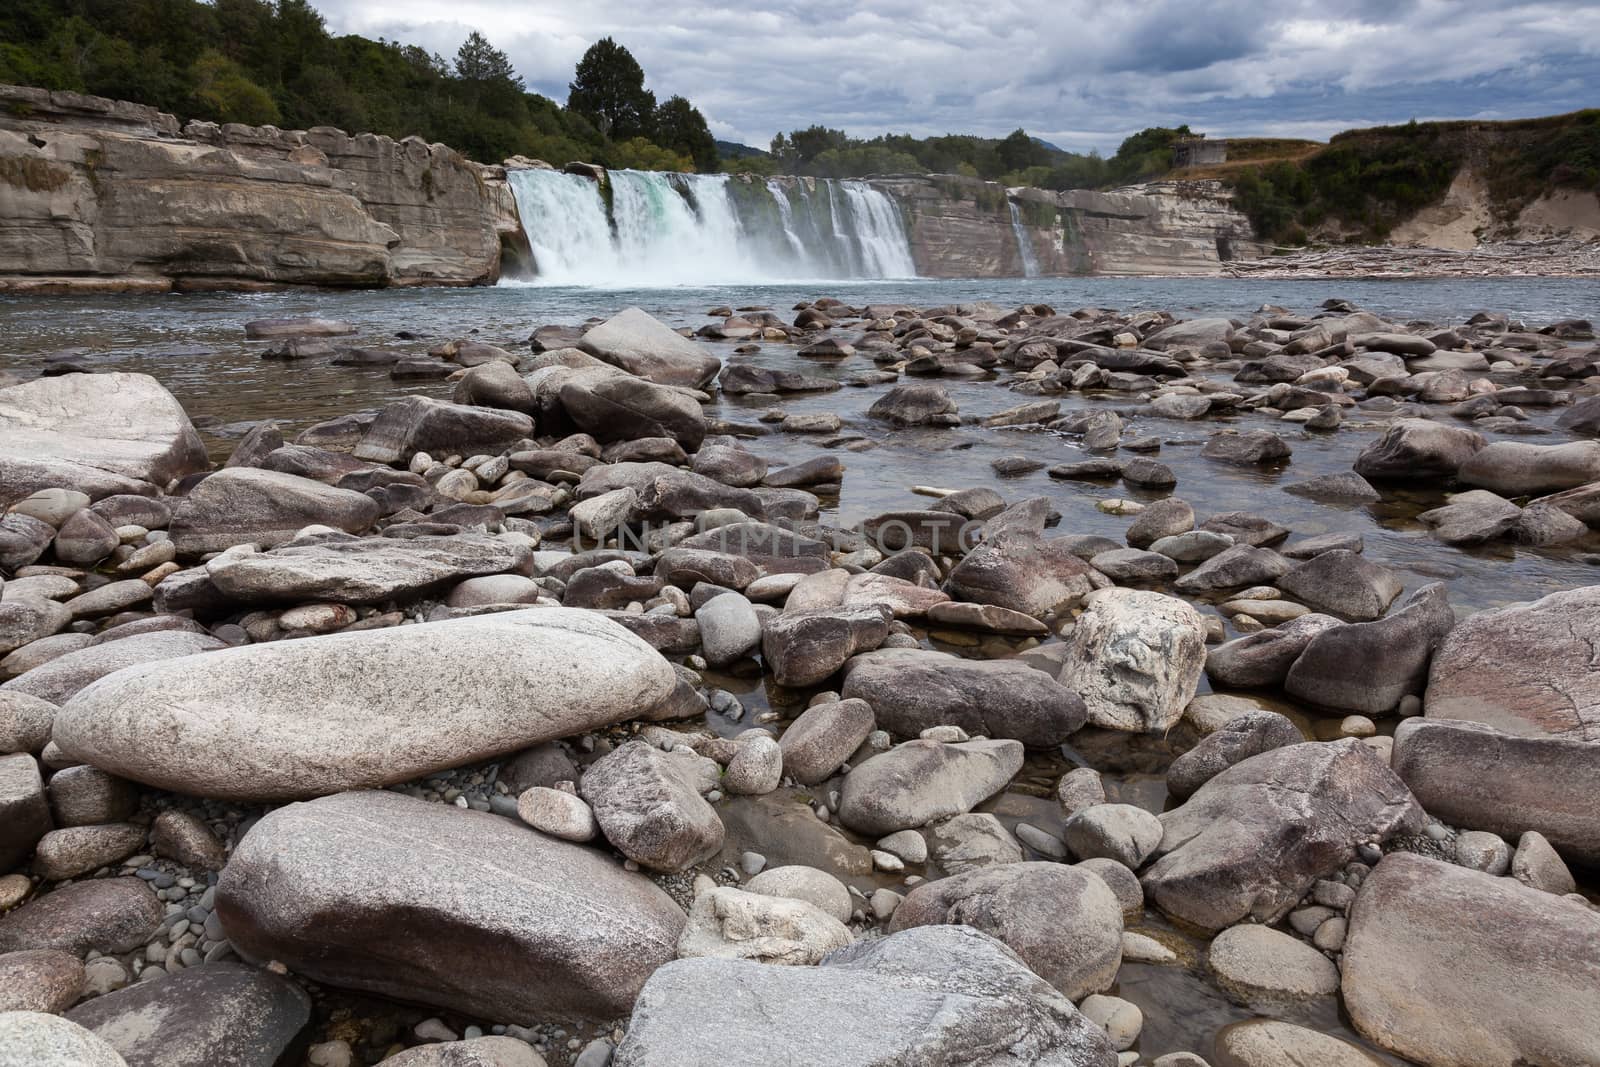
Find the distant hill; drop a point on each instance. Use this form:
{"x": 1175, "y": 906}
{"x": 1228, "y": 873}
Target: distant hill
{"x": 735, "y": 150}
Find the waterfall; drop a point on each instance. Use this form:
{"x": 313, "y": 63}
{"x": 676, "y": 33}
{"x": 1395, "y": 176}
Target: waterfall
{"x": 1030, "y": 262}
{"x": 663, "y": 229}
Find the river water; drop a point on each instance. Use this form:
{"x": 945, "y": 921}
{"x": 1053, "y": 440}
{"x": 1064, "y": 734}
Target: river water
{"x": 194, "y": 344}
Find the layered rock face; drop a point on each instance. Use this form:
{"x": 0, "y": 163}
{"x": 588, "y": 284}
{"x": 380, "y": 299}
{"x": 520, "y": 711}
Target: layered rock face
{"x": 107, "y": 194}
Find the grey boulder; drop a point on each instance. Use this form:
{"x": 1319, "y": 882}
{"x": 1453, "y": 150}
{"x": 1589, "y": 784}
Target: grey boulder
{"x": 1417, "y": 450}
{"x": 1343, "y": 583}
{"x": 1368, "y": 666}
{"x": 1241, "y": 737}
{"x": 803, "y": 648}
{"x": 422, "y": 424}
{"x": 919, "y": 781}
{"x": 62, "y": 677}
{"x": 34, "y": 1039}
{"x": 640, "y": 344}
{"x": 648, "y": 805}
{"x": 245, "y": 505}
{"x": 1135, "y": 659}
{"x": 1263, "y": 659}
{"x": 1514, "y": 468}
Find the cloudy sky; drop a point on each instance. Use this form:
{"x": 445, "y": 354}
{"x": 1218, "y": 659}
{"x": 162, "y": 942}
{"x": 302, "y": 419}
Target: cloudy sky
{"x": 1079, "y": 73}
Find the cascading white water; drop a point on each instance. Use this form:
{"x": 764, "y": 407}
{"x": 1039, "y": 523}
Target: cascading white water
{"x": 1030, "y": 262}
{"x": 693, "y": 229}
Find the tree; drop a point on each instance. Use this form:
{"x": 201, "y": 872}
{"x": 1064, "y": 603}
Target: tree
{"x": 223, "y": 91}
{"x": 608, "y": 89}
{"x": 1019, "y": 152}
{"x": 681, "y": 127}
{"x": 479, "y": 61}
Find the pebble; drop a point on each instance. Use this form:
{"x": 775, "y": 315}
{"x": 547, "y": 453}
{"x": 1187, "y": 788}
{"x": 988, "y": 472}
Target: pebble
{"x": 1139, "y": 948}
{"x": 887, "y": 861}
{"x": 909, "y": 845}
{"x": 884, "y": 902}
{"x": 1121, "y": 1019}
{"x": 752, "y": 863}
{"x": 1041, "y": 841}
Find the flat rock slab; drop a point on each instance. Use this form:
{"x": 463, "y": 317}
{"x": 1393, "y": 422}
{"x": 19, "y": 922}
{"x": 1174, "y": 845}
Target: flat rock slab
{"x": 363, "y": 570}
{"x": 464, "y": 910}
{"x": 216, "y": 1013}
{"x": 292, "y": 719}
{"x": 931, "y": 995}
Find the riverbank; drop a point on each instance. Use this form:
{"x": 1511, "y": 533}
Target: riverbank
{"x": 1552, "y": 258}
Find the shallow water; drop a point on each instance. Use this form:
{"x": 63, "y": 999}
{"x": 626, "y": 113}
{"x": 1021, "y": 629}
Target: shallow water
{"x": 194, "y": 344}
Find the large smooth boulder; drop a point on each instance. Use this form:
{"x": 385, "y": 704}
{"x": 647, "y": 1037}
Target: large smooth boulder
{"x": 216, "y": 1013}
{"x": 803, "y": 648}
{"x": 363, "y": 570}
{"x": 824, "y": 736}
{"x": 914, "y": 404}
{"x": 26, "y": 619}
{"x": 1474, "y": 776}
{"x": 381, "y": 893}
{"x": 643, "y": 345}
{"x": 1515, "y": 468}
{"x": 619, "y": 408}
{"x": 1343, "y": 583}
{"x": 62, "y": 677}
{"x": 1195, "y": 333}
{"x": 665, "y": 491}
{"x": 1452, "y": 967}
{"x": 100, "y": 434}
{"x": 244, "y": 505}
{"x": 648, "y": 805}
{"x": 422, "y": 424}
{"x": 913, "y": 689}
{"x": 928, "y": 995}
{"x": 34, "y": 1039}
{"x": 919, "y": 781}
{"x": 1254, "y": 839}
{"x": 1368, "y": 666}
{"x": 1064, "y": 922}
{"x": 290, "y": 719}
{"x": 1136, "y": 659}
{"x": 106, "y": 915}
{"x": 1417, "y": 450}
{"x": 1530, "y": 669}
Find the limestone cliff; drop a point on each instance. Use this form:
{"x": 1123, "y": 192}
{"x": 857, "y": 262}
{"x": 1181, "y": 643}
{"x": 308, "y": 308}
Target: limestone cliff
{"x": 97, "y": 193}
{"x": 965, "y": 227}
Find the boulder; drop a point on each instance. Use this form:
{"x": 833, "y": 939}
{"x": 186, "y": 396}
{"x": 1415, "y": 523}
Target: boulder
{"x": 1472, "y": 517}
{"x": 932, "y": 994}
{"x": 422, "y": 424}
{"x": 106, "y": 915}
{"x": 100, "y": 434}
{"x": 1528, "y": 669}
{"x": 619, "y": 408}
{"x": 912, "y": 689}
{"x": 490, "y": 1051}
{"x": 1135, "y": 659}
{"x": 1241, "y": 737}
{"x": 363, "y": 570}
{"x": 495, "y": 384}
{"x": 201, "y": 1016}
{"x": 1343, "y": 583}
{"x": 34, "y": 1039}
{"x": 384, "y": 894}
{"x": 1121, "y": 832}
{"x": 1263, "y": 659}
{"x": 824, "y": 736}
{"x": 817, "y": 888}
{"x": 1456, "y": 968}
{"x": 649, "y": 806}
{"x": 24, "y": 810}
{"x": 1367, "y": 667}
{"x": 291, "y": 719}
{"x": 1345, "y": 488}
{"x": 1254, "y": 839}
{"x": 41, "y": 979}
{"x": 25, "y": 619}
{"x": 1064, "y": 922}
{"x": 916, "y": 782}
{"x": 245, "y": 505}
{"x": 1194, "y": 334}
{"x": 667, "y": 492}
{"x": 804, "y": 648}
{"x": 1021, "y": 571}
{"x": 62, "y": 677}
{"x": 78, "y": 850}
{"x": 1262, "y": 967}
{"x": 1271, "y": 1043}
{"x": 733, "y": 924}
{"x": 1513, "y": 468}
{"x": 1417, "y": 450}
{"x": 84, "y": 540}
{"x": 1246, "y": 449}
{"x": 25, "y": 722}
{"x": 23, "y": 539}
{"x": 642, "y": 345}
{"x": 970, "y": 842}
{"x": 1233, "y": 567}
{"x": 1472, "y": 775}
{"x": 729, "y": 628}
{"x": 914, "y": 404}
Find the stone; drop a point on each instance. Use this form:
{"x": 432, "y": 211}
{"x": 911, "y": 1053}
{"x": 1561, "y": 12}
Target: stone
{"x": 365, "y": 570}
{"x": 916, "y": 782}
{"x": 1064, "y": 922}
{"x": 1417, "y": 450}
{"x": 289, "y": 719}
{"x": 1342, "y": 583}
{"x": 1536, "y": 865}
{"x": 1368, "y": 667}
{"x": 986, "y": 617}
{"x": 622, "y": 408}
{"x": 1527, "y": 669}
{"x": 184, "y": 837}
{"x": 111, "y": 598}
{"x": 730, "y": 629}
{"x": 24, "y": 620}
{"x": 217, "y": 1013}
{"x": 1471, "y": 518}
{"x": 649, "y": 807}
{"x": 805, "y": 648}
{"x": 59, "y": 679}
{"x": 1134, "y": 565}
{"x": 1080, "y": 788}
{"x": 1121, "y": 1019}
{"x": 1483, "y": 851}
{"x": 1247, "y": 448}
{"x": 76, "y": 850}
{"x": 34, "y": 1039}
{"x": 245, "y": 505}
{"x": 1344, "y": 488}
{"x": 818, "y": 888}
{"x": 932, "y": 994}
{"x": 1513, "y": 468}
{"x": 558, "y": 814}
{"x": 475, "y": 1052}
{"x": 756, "y": 766}
{"x": 1120, "y": 832}
{"x": 1252, "y": 840}
{"x": 642, "y": 345}
{"x": 519, "y": 925}
{"x": 84, "y": 796}
{"x": 912, "y": 689}
{"x": 423, "y": 424}
{"x": 25, "y": 722}
{"x": 1453, "y": 968}
{"x": 1257, "y": 965}
{"x": 972, "y": 841}
{"x": 1122, "y": 882}
{"x": 41, "y": 980}
{"x": 1478, "y": 777}
{"x": 24, "y": 811}
{"x": 1263, "y": 659}
{"x": 1241, "y": 737}
{"x": 1135, "y": 659}
{"x": 1016, "y": 569}
{"x": 733, "y": 924}
{"x": 1162, "y": 518}
{"x": 1196, "y": 546}
{"x": 84, "y": 540}
{"x": 1233, "y": 567}
{"x": 103, "y": 914}
{"x": 1271, "y": 1043}
{"x": 98, "y": 434}
{"x": 54, "y": 506}
{"x": 820, "y": 741}
{"x": 913, "y": 404}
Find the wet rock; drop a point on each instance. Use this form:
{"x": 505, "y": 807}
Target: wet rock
{"x": 1271, "y": 1043}
{"x": 986, "y": 617}
{"x": 289, "y": 719}
{"x": 362, "y": 570}
{"x": 24, "y": 811}
{"x": 76, "y": 850}
{"x": 1247, "y": 448}
{"x": 1391, "y": 654}
{"x": 495, "y": 384}
{"x": 1080, "y": 788}
{"x": 729, "y": 628}
{"x": 1263, "y": 659}
{"x": 911, "y": 690}
{"x": 914, "y": 404}
{"x": 1257, "y": 965}
{"x": 103, "y": 914}
{"x": 804, "y": 648}
{"x": 1243, "y": 736}
{"x": 1233, "y": 567}
{"x": 244, "y": 505}
{"x": 1136, "y": 659}
{"x": 1196, "y": 546}
{"x": 422, "y": 424}
{"x": 1064, "y": 922}
{"x": 1452, "y": 967}
{"x": 1346, "y": 488}
{"x": 620, "y": 408}
{"x": 1416, "y": 450}
{"x": 732, "y": 924}
{"x": 1252, "y": 840}
{"x": 201, "y": 1016}
{"x": 1134, "y": 565}
{"x": 1512, "y": 468}
{"x": 937, "y": 994}
{"x": 1343, "y": 583}
{"x": 34, "y": 1039}
{"x": 537, "y": 945}
{"x": 1472, "y": 518}
{"x": 824, "y": 737}
{"x": 972, "y": 841}
{"x": 1162, "y": 518}
{"x": 649, "y": 807}
{"x": 919, "y": 781}
{"x": 1547, "y": 524}
{"x": 643, "y": 345}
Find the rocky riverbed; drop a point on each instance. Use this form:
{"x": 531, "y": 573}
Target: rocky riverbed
{"x": 831, "y": 684}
